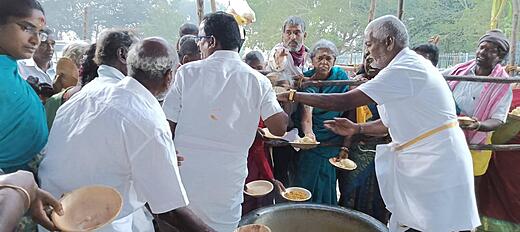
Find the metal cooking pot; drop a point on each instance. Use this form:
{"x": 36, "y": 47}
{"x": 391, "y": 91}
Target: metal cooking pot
{"x": 305, "y": 217}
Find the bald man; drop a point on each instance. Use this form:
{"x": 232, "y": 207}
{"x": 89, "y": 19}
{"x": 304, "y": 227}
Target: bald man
{"x": 118, "y": 136}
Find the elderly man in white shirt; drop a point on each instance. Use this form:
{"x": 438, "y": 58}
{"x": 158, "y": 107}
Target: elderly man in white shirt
{"x": 214, "y": 107}
{"x": 425, "y": 174}
{"x": 40, "y": 65}
{"x": 118, "y": 136}
{"x": 111, "y": 51}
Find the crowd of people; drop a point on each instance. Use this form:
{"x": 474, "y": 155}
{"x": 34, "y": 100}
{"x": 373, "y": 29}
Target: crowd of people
{"x": 179, "y": 129}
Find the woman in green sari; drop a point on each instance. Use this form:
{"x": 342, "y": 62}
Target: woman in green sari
{"x": 313, "y": 170}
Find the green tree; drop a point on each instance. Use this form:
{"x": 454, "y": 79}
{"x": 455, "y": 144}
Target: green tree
{"x": 65, "y": 15}
{"x": 166, "y": 16}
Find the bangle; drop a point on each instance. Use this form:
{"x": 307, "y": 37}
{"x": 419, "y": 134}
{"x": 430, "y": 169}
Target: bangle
{"x": 19, "y": 189}
{"x": 292, "y": 94}
{"x": 299, "y": 83}
{"x": 478, "y": 126}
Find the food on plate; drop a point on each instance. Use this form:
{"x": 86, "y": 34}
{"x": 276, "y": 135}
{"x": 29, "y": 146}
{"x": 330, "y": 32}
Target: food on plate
{"x": 345, "y": 164}
{"x": 296, "y": 195}
{"x": 465, "y": 121}
{"x": 267, "y": 134}
{"x": 305, "y": 140}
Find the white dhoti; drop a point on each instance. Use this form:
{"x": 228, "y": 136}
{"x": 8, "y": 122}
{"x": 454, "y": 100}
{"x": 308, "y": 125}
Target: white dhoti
{"x": 428, "y": 186}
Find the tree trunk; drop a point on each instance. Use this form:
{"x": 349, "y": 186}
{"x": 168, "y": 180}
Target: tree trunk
{"x": 496, "y": 11}
{"x": 512, "y": 56}
{"x": 85, "y": 23}
{"x": 213, "y": 6}
{"x": 200, "y": 10}
{"x": 372, "y": 10}
{"x": 400, "y": 9}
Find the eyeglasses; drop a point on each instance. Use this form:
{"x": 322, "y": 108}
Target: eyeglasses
{"x": 201, "y": 37}
{"x": 28, "y": 28}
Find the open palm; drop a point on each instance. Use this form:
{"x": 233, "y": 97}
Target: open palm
{"x": 341, "y": 126}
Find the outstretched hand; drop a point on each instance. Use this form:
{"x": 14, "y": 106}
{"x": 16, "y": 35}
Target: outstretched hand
{"x": 279, "y": 185}
{"x": 283, "y": 97}
{"x": 38, "y": 209}
{"x": 342, "y": 126}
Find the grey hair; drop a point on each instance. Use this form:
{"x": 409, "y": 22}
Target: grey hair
{"x": 75, "y": 51}
{"x": 324, "y": 44}
{"x": 188, "y": 45}
{"x": 294, "y": 20}
{"x": 254, "y": 55}
{"x": 386, "y": 26}
{"x": 153, "y": 66}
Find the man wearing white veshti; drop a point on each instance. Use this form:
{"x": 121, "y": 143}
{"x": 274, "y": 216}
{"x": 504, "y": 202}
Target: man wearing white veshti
{"x": 425, "y": 174}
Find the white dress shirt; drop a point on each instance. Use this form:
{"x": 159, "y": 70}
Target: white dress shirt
{"x": 28, "y": 68}
{"x": 107, "y": 75}
{"x": 429, "y": 185}
{"x": 217, "y": 103}
{"x": 467, "y": 93}
{"x": 116, "y": 136}
{"x": 288, "y": 70}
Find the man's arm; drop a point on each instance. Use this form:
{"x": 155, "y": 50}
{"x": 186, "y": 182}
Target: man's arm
{"x": 277, "y": 123}
{"x": 13, "y": 202}
{"x": 333, "y": 102}
{"x": 345, "y": 127}
{"x": 485, "y": 126}
{"x": 183, "y": 219}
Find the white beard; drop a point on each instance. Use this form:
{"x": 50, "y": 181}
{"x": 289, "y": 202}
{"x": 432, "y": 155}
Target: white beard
{"x": 375, "y": 63}
{"x": 161, "y": 96}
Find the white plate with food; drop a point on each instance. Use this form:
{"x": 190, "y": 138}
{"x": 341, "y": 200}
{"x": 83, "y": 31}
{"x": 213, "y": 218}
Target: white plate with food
{"x": 304, "y": 143}
{"x": 343, "y": 164}
{"x": 267, "y": 134}
{"x": 296, "y": 194}
{"x": 465, "y": 121}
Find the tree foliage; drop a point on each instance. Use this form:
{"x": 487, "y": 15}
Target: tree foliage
{"x": 458, "y": 22}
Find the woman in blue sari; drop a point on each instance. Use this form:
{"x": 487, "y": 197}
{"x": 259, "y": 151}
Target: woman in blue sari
{"x": 23, "y": 125}
{"x": 313, "y": 170}
{"x": 359, "y": 188}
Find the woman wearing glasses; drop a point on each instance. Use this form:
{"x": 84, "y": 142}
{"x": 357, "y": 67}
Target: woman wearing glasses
{"x": 23, "y": 127}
